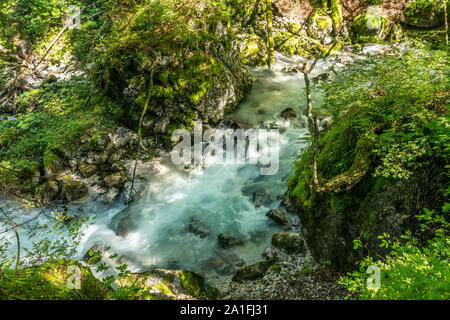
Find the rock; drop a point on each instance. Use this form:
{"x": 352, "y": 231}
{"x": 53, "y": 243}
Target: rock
{"x": 320, "y": 27}
{"x": 114, "y": 180}
{"x": 198, "y": 227}
{"x": 254, "y": 51}
{"x": 100, "y": 142}
{"x": 370, "y": 27}
{"x": 289, "y": 113}
{"x": 53, "y": 164}
{"x": 86, "y": 170}
{"x": 97, "y": 158}
{"x": 74, "y": 190}
{"x": 270, "y": 253}
{"x": 261, "y": 198}
{"x": 325, "y": 123}
{"x": 225, "y": 240}
{"x": 132, "y": 195}
{"x": 47, "y": 192}
{"x": 124, "y": 138}
{"x": 108, "y": 197}
{"x": 253, "y": 271}
{"x": 278, "y": 215}
{"x": 290, "y": 242}
{"x": 170, "y": 284}
{"x": 423, "y": 15}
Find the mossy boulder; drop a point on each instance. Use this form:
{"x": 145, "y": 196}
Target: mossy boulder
{"x": 370, "y": 27}
{"x": 290, "y": 242}
{"x": 253, "y": 51}
{"x": 320, "y": 27}
{"x": 53, "y": 163}
{"x": 252, "y": 272}
{"x": 424, "y": 14}
{"x": 46, "y": 193}
{"x": 114, "y": 180}
{"x": 100, "y": 142}
{"x": 225, "y": 240}
{"x": 169, "y": 285}
{"x": 73, "y": 190}
{"x": 53, "y": 280}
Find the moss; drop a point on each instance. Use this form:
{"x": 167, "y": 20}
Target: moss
{"x": 191, "y": 282}
{"x": 370, "y": 27}
{"x": 162, "y": 288}
{"x": 52, "y": 162}
{"x": 276, "y": 268}
{"x": 49, "y": 282}
{"x": 94, "y": 141}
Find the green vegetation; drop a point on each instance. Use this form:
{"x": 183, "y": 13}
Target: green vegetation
{"x": 414, "y": 269}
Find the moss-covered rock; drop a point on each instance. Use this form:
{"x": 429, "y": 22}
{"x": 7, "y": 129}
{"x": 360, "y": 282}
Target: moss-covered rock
{"x": 53, "y": 280}
{"x": 87, "y": 170}
{"x": 253, "y": 51}
{"x": 370, "y": 27}
{"x": 114, "y": 180}
{"x": 53, "y": 164}
{"x": 252, "y": 272}
{"x": 290, "y": 242}
{"x": 100, "y": 142}
{"x": 73, "y": 190}
{"x": 424, "y": 14}
{"x": 320, "y": 27}
{"x": 168, "y": 284}
{"x": 46, "y": 193}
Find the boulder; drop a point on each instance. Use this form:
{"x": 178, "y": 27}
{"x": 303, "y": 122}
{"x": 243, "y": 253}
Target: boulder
{"x": 47, "y": 192}
{"x": 114, "y": 180}
{"x": 74, "y": 190}
{"x": 100, "y": 142}
{"x": 252, "y": 272}
{"x": 53, "y": 164}
{"x": 424, "y": 14}
{"x": 370, "y": 27}
{"x": 278, "y": 215}
{"x": 289, "y": 242}
{"x": 170, "y": 285}
{"x": 320, "y": 27}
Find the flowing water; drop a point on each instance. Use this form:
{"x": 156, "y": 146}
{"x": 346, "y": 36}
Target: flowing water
{"x": 176, "y": 223}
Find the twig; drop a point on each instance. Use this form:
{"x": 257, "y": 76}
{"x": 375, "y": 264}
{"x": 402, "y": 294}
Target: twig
{"x": 17, "y": 237}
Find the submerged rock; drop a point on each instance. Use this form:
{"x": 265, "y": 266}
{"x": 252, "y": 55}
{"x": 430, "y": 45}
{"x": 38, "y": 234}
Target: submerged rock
{"x": 224, "y": 240}
{"x": 198, "y": 227}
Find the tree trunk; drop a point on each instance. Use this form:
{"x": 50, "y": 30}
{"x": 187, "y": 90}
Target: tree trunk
{"x": 270, "y": 42}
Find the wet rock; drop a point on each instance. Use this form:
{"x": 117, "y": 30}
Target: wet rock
{"x": 224, "y": 240}
{"x": 370, "y": 27}
{"x": 108, "y": 197}
{"x": 289, "y": 113}
{"x": 47, "y": 192}
{"x": 290, "y": 242}
{"x": 270, "y": 253}
{"x": 198, "y": 227}
{"x": 325, "y": 123}
{"x": 278, "y": 215}
{"x": 261, "y": 198}
{"x": 74, "y": 190}
{"x": 253, "y": 271}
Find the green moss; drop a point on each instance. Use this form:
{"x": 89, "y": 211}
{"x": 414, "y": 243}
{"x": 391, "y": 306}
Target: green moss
{"x": 49, "y": 282}
{"x": 93, "y": 142}
{"x": 276, "y": 268}
{"x": 162, "y": 288}
{"x": 191, "y": 282}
